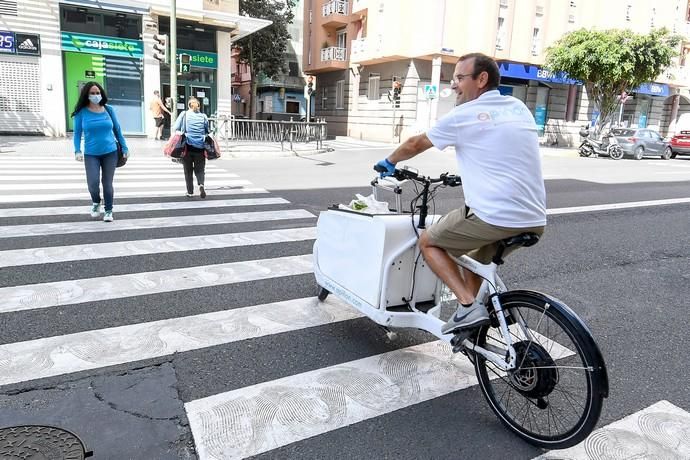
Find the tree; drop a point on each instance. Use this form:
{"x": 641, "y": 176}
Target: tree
{"x": 265, "y": 50}
{"x": 610, "y": 62}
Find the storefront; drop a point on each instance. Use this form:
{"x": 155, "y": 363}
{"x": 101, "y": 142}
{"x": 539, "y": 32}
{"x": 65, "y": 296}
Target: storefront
{"x": 20, "y": 72}
{"x": 200, "y": 43}
{"x": 114, "y": 61}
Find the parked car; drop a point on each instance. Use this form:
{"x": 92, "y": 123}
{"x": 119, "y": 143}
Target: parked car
{"x": 642, "y": 142}
{"x": 680, "y": 144}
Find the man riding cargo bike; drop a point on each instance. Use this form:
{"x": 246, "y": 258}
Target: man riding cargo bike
{"x": 536, "y": 361}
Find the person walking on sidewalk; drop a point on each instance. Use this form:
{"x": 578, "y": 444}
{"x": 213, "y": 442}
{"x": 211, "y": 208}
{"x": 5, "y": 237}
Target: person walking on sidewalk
{"x": 99, "y": 125}
{"x": 194, "y": 124}
{"x": 157, "y": 108}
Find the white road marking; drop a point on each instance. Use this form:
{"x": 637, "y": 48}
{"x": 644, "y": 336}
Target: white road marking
{"x": 661, "y": 431}
{"x": 610, "y": 206}
{"x": 262, "y": 417}
{"x": 118, "y": 177}
{"x": 51, "y": 356}
{"x": 45, "y": 295}
{"x": 91, "y": 226}
{"x": 54, "y": 254}
{"x": 179, "y": 190}
{"x": 165, "y": 206}
{"x": 117, "y": 185}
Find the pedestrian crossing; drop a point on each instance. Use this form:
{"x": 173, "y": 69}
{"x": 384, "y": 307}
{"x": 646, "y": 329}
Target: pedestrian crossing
{"x": 229, "y": 277}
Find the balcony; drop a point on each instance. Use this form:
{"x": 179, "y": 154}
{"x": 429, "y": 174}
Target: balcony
{"x": 335, "y": 13}
{"x": 283, "y": 81}
{"x": 332, "y": 58}
{"x": 359, "y": 5}
{"x": 359, "y": 50}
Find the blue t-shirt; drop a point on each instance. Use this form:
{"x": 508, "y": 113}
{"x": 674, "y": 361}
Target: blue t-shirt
{"x": 194, "y": 125}
{"x": 97, "y": 128}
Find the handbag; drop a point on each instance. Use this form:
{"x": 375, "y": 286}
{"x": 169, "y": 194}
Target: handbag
{"x": 121, "y": 158}
{"x": 211, "y": 148}
{"x": 176, "y": 147}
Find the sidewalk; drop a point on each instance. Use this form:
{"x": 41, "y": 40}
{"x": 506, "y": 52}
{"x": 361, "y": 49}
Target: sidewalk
{"x": 59, "y": 147}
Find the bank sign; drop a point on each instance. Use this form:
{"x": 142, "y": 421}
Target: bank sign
{"x": 96, "y": 44}
{"x": 200, "y": 58}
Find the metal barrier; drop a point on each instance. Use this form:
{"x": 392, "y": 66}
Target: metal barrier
{"x": 230, "y": 129}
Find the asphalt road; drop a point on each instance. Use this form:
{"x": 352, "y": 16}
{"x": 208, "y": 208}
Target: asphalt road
{"x": 626, "y": 272}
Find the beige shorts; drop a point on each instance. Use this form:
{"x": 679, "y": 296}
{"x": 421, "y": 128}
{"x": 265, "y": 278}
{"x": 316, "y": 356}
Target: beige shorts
{"x": 461, "y": 232}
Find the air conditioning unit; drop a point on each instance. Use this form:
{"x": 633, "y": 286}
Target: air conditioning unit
{"x": 571, "y": 18}
{"x": 504, "y": 3}
{"x": 540, "y": 10}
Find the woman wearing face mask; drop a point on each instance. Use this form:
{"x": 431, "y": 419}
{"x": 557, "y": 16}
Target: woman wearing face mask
{"x": 98, "y": 123}
{"x": 194, "y": 125}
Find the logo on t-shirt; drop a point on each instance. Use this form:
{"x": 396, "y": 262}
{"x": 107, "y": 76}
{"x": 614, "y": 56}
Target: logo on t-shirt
{"x": 483, "y": 116}
{"x": 502, "y": 113}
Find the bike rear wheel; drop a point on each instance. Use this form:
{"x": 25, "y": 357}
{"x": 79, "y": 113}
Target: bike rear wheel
{"x": 554, "y": 397}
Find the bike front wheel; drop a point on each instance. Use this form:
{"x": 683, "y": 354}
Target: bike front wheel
{"x": 554, "y": 397}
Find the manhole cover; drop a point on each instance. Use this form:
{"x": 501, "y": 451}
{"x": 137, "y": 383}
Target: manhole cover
{"x": 35, "y": 442}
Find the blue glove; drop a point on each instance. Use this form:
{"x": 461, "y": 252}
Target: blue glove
{"x": 385, "y": 167}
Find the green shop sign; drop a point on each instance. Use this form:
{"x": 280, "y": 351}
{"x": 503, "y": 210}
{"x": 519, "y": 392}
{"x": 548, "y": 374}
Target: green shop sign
{"x": 97, "y": 44}
{"x": 200, "y": 58}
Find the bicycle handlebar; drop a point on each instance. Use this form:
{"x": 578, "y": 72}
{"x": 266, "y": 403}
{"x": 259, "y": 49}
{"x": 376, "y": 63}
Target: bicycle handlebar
{"x": 450, "y": 180}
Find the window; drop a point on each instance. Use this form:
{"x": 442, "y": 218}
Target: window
{"x": 292, "y": 107}
{"x": 340, "y": 94}
{"x": 107, "y": 23}
{"x": 373, "y": 90}
{"x": 293, "y": 69}
{"x": 8, "y": 7}
{"x": 324, "y": 98}
{"x": 627, "y": 12}
{"x": 652, "y": 17}
{"x": 500, "y": 33}
{"x": 536, "y": 41}
{"x": 341, "y": 40}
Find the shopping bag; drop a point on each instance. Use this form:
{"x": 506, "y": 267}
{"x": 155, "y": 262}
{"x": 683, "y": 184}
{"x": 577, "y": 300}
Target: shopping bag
{"x": 211, "y": 148}
{"x": 176, "y": 147}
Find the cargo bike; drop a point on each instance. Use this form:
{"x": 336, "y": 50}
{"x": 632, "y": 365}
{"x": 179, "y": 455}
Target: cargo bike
{"x": 537, "y": 363}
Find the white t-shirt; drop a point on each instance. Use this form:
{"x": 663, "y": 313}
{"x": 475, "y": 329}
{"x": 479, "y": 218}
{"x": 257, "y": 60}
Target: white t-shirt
{"x": 497, "y": 150}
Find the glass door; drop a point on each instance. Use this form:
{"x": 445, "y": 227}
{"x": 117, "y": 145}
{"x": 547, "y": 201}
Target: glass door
{"x": 203, "y": 94}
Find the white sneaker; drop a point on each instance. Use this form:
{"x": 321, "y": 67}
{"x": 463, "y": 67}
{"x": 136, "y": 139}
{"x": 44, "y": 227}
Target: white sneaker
{"x": 108, "y": 216}
{"x": 95, "y": 210}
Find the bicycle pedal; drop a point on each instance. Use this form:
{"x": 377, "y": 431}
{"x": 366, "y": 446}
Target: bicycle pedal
{"x": 459, "y": 338}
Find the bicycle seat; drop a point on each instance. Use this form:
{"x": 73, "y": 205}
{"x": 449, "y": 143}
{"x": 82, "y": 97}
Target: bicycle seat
{"x": 523, "y": 239}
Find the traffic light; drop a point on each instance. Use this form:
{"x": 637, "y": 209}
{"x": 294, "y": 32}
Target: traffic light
{"x": 397, "y": 88}
{"x": 160, "y": 48}
{"x": 311, "y": 84}
{"x": 185, "y": 63}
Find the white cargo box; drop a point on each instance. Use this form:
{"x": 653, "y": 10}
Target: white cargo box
{"x": 353, "y": 249}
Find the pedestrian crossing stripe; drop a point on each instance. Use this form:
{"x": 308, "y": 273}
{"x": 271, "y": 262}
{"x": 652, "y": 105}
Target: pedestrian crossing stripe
{"x": 120, "y": 177}
{"x": 660, "y": 431}
{"x": 141, "y": 207}
{"x": 96, "y": 226}
{"x": 118, "y": 185}
{"x": 94, "y": 251}
{"x": 53, "y": 294}
{"x": 66, "y": 354}
{"x": 179, "y": 190}
{"x": 252, "y": 420}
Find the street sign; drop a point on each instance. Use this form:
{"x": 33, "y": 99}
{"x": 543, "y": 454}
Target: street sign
{"x": 431, "y": 91}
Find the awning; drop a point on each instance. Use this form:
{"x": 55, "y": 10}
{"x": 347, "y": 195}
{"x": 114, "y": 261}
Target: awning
{"x": 239, "y": 26}
{"x": 125, "y": 6}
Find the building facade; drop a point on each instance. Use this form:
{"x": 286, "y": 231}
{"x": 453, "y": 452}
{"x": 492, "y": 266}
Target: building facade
{"x": 282, "y": 97}
{"x": 362, "y": 49}
{"x": 112, "y": 43}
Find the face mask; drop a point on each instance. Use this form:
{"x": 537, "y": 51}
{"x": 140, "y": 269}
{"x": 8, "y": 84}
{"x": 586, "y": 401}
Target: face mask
{"x": 95, "y": 98}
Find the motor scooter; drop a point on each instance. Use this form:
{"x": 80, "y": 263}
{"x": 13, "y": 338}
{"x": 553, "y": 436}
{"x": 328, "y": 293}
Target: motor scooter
{"x": 607, "y": 145}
